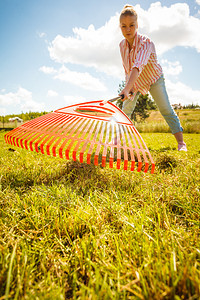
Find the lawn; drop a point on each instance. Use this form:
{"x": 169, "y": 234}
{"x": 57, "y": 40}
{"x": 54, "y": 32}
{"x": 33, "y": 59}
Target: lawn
{"x": 78, "y": 231}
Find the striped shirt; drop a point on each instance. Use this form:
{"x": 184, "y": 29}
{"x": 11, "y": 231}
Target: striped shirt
{"x": 141, "y": 56}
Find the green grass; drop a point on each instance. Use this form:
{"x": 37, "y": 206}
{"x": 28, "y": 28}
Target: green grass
{"x": 77, "y": 231}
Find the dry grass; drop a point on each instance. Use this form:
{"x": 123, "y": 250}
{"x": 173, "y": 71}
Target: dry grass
{"x": 155, "y": 123}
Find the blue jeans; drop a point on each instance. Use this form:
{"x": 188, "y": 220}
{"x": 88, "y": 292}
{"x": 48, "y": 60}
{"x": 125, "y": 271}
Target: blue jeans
{"x": 159, "y": 94}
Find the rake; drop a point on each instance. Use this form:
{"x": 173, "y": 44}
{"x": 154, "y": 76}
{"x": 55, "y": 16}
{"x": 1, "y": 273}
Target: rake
{"x": 97, "y": 132}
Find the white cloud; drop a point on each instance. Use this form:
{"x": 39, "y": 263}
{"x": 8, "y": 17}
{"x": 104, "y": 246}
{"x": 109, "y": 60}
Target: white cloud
{"x": 71, "y": 100}
{"x": 21, "y": 99}
{"x": 168, "y": 27}
{"x": 2, "y": 111}
{"x": 91, "y": 47}
{"x": 171, "y": 68}
{"x": 32, "y": 106}
{"x": 48, "y": 70}
{"x": 52, "y": 93}
{"x": 198, "y": 2}
{"x": 180, "y": 93}
{"x": 15, "y": 98}
{"x": 83, "y": 80}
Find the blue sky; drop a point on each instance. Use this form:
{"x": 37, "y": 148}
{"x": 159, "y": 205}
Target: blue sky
{"x": 55, "y": 53}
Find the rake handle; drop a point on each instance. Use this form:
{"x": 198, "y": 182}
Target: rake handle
{"x": 116, "y": 98}
{"x": 119, "y": 97}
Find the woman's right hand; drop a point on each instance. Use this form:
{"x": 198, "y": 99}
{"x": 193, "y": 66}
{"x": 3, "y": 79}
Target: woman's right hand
{"x": 124, "y": 94}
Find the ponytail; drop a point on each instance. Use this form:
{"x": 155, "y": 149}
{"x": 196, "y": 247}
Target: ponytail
{"x": 128, "y": 10}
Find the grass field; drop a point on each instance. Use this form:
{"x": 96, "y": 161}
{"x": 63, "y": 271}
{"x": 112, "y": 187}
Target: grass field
{"x": 77, "y": 231}
{"x": 189, "y": 118}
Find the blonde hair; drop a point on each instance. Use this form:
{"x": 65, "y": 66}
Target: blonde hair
{"x": 128, "y": 10}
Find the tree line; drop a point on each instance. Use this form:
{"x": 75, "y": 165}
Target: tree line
{"x": 24, "y": 116}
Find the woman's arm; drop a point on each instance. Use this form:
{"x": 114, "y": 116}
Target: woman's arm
{"x": 132, "y": 79}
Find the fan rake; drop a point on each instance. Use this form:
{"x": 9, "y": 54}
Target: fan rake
{"x": 97, "y": 132}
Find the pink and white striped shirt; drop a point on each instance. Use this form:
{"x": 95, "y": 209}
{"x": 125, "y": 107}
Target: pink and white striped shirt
{"x": 142, "y": 56}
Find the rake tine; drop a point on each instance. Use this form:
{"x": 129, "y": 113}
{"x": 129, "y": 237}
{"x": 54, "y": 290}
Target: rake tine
{"x": 87, "y": 142}
{"x": 100, "y": 143}
{"x": 111, "y": 160}
{"x": 92, "y": 142}
{"x": 81, "y": 139}
{"x": 74, "y": 138}
{"x": 118, "y": 135}
{"x": 71, "y": 129}
{"x": 140, "y": 141}
{"x": 105, "y": 145}
{"x": 125, "y": 149}
{"x": 67, "y": 124}
{"x": 131, "y": 150}
{"x": 56, "y": 132}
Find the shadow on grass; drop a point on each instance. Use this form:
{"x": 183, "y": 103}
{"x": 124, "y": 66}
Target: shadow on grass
{"x": 82, "y": 175}
{"x": 67, "y": 172}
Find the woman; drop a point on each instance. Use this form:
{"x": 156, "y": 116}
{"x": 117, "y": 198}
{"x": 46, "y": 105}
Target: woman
{"x": 143, "y": 73}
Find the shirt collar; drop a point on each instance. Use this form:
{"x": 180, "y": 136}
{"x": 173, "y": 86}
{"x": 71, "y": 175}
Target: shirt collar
{"x": 135, "y": 40}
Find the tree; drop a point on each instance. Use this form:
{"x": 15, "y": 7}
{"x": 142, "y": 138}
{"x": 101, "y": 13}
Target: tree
{"x": 143, "y": 106}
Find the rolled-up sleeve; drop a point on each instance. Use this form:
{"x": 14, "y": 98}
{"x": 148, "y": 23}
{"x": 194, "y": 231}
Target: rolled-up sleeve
{"x": 143, "y": 55}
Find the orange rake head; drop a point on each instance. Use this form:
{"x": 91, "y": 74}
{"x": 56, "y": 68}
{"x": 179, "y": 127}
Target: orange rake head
{"x": 95, "y": 131}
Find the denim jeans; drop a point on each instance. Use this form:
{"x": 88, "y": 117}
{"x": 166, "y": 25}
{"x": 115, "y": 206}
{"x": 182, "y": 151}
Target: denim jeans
{"x": 159, "y": 94}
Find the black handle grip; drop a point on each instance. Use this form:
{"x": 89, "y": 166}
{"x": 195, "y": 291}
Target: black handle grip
{"x": 118, "y": 98}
